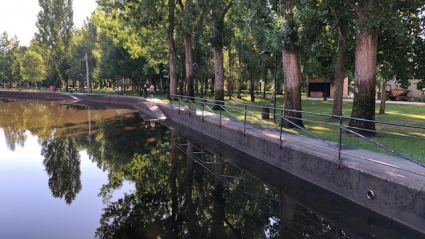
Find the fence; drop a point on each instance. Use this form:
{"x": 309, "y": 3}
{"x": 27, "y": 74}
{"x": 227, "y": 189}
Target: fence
{"x": 402, "y": 140}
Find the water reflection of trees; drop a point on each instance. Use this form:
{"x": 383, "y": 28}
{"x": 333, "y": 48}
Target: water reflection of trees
{"x": 110, "y": 136}
{"x": 175, "y": 198}
{"x": 62, "y": 162}
{"x": 14, "y": 137}
{"x": 118, "y": 139}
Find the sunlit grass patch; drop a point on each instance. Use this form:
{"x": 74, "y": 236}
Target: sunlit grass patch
{"x": 399, "y": 114}
{"x": 318, "y": 128}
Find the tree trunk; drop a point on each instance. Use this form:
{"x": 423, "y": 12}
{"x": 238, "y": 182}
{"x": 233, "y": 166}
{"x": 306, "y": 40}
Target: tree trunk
{"x": 172, "y": 48}
{"x": 365, "y": 81}
{"x": 339, "y": 78}
{"x": 219, "y": 77}
{"x": 251, "y": 87}
{"x": 383, "y": 97}
{"x": 293, "y": 77}
{"x": 230, "y": 83}
{"x": 265, "y": 80}
{"x": 189, "y": 69}
{"x": 292, "y": 71}
{"x": 217, "y": 18}
{"x": 181, "y": 82}
{"x": 239, "y": 75}
{"x": 205, "y": 85}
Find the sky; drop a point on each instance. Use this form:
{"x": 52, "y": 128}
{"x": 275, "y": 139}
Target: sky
{"x": 18, "y": 17}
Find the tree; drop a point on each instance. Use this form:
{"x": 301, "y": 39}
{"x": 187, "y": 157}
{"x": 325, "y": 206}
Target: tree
{"x": 291, "y": 65}
{"x": 135, "y": 25}
{"x": 85, "y": 41}
{"x": 116, "y": 63}
{"x": 327, "y": 29}
{"x": 55, "y": 25}
{"x": 218, "y": 10}
{"x": 10, "y": 65}
{"x": 192, "y": 21}
{"x": 372, "y": 17}
{"x": 33, "y": 68}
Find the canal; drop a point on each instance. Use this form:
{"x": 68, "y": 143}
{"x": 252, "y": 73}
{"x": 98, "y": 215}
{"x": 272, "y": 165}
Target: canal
{"x": 75, "y": 171}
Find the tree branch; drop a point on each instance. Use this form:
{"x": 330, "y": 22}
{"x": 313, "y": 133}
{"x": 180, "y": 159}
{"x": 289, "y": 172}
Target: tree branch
{"x": 336, "y": 20}
{"x": 226, "y": 9}
{"x": 399, "y": 4}
{"x": 180, "y": 4}
{"x": 356, "y": 9}
{"x": 201, "y": 21}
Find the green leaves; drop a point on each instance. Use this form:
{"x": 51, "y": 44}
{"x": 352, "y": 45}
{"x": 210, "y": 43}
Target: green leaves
{"x": 55, "y": 25}
{"x": 33, "y": 68}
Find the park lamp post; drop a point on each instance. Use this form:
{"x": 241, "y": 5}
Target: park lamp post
{"x": 86, "y": 59}
{"x": 275, "y": 82}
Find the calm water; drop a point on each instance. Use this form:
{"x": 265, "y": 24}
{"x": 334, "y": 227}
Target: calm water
{"x": 69, "y": 171}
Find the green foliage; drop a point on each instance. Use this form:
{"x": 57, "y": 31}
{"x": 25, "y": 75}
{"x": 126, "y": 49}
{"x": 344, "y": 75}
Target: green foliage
{"x": 55, "y": 25}
{"x": 33, "y": 68}
{"x": 85, "y": 41}
{"x": 137, "y": 25}
{"x": 10, "y": 63}
{"x": 117, "y": 63}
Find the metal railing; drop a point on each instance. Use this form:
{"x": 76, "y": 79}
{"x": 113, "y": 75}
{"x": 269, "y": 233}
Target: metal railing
{"x": 238, "y": 113}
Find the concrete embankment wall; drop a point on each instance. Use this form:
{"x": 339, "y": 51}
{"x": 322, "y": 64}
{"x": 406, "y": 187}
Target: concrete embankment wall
{"x": 45, "y": 96}
{"x": 127, "y": 102}
{"x": 398, "y": 193}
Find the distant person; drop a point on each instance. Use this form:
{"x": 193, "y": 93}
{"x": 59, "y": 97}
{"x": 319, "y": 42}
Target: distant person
{"x": 145, "y": 91}
{"x": 152, "y": 90}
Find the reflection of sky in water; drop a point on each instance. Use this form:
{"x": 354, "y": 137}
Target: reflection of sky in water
{"x": 27, "y": 207}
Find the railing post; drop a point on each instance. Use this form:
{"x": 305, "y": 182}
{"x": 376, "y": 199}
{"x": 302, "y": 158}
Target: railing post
{"x": 203, "y": 106}
{"x": 179, "y": 103}
{"x": 220, "y": 116}
{"x": 244, "y": 123}
{"x": 281, "y": 131}
{"x": 189, "y": 105}
{"x": 340, "y": 144}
